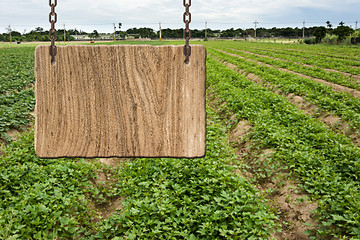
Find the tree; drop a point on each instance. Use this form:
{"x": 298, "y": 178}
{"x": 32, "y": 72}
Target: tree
{"x": 342, "y": 32}
{"x": 319, "y": 33}
{"x": 15, "y": 34}
{"x": 230, "y": 33}
{"x": 329, "y": 25}
{"x": 143, "y": 32}
{"x": 172, "y": 33}
{"x": 39, "y": 29}
{"x": 341, "y": 23}
{"x": 94, "y": 34}
{"x": 249, "y": 32}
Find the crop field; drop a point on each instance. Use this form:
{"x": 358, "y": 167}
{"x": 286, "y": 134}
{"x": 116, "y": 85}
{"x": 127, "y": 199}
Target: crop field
{"x": 283, "y": 156}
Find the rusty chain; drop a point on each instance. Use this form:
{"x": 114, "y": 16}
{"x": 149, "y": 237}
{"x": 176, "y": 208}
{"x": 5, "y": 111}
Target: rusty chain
{"x": 53, "y": 32}
{"x": 187, "y": 31}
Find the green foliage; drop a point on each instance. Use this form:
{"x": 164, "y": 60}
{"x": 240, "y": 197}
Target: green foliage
{"x": 14, "y": 110}
{"x": 190, "y": 198}
{"x": 356, "y": 34}
{"x": 327, "y": 164}
{"x": 330, "y": 39}
{"x": 310, "y": 41}
{"x": 342, "y": 32}
{"x": 319, "y": 33}
{"x": 94, "y": 35}
{"x": 341, "y": 104}
{"x": 318, "y": 57}
{"x": 231, "y": 33}
{"x": 142, "y": 32}
{"x": 42, "y": 198}
{"x": 290, "y": 59}
{"x": 16, "y": 93}
{"x": 16, "y": 68}
{"x": 165, "y": 198}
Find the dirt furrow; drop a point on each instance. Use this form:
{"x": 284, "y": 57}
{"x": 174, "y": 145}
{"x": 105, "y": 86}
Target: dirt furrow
{"x": 306, "y": 51}
{"x": 335, "y": 123}
{"x": 280, "y": 187}
{"x": 356, "y": 77}
{"x": 336, "y": 87}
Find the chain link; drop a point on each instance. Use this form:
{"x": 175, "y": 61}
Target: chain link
{"x": 187, "y": 31}
{"x": 53, "y": 32}
{"x": 186, "y": 19}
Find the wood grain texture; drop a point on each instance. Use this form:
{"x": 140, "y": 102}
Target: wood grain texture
{"x": 120, "y": 101}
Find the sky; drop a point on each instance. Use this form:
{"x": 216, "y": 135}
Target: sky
{"x": 88, "y": 15}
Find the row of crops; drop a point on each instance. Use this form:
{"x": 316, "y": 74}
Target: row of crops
{"x": 196, "y": 198}
{"x": 16, "y": 88}
{"x": 340, "y": 103}
{"x": 328, "y": 164}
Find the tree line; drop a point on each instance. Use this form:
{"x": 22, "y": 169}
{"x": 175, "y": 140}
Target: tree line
{"x": 38, "y": 35}
{"x": 340, "y": 33}
{"x": 317, "y": 33}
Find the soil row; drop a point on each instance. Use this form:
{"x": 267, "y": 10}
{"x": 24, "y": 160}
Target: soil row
{"x": 356, "y": 77}
{"x": 334, "y": 86}
{"x": 292, "y": 204}
{"x": 333, "y": 122}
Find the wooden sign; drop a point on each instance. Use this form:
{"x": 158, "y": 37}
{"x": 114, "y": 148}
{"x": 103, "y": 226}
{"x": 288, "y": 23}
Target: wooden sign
{"x": 120, "y": 101}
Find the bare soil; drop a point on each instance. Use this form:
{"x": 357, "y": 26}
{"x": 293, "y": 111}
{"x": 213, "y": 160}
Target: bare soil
{"x": 289, "y": 202}
{"x": 356, "y": 77}
{"x": 302, "y": 50}
{"x": 292, "y": 204}
{"x": 336, "y": 87}
{"x": 333, "y": 122}
{"x": 13, "y": 133}
{"x": 105, "y": 210}
{"x": 112, "y": 207}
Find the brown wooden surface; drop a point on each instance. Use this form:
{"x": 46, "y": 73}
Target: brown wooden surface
{"x": 124, "y": 101}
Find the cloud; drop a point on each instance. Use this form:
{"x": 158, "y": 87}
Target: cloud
{"x": 94, "y": 14}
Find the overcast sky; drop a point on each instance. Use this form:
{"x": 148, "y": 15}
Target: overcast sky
{"x": 88, "y": 15}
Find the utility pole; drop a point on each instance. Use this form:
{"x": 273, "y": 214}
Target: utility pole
{"x": 120, "y": 25}
{"x": 206, "y": 31}
{"x": 356, "y": 22}
{"x": 256, "y": 22}
{"x": 114, "y": 32}
{"x": 160, "y": 31}
{"x": 64, "y": 34}
{"x": 9, "y": 31}
{"x": 303, "y": 37}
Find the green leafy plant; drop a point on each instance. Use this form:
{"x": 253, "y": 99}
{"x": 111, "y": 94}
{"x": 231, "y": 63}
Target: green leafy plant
{"x": 326, "y": 163}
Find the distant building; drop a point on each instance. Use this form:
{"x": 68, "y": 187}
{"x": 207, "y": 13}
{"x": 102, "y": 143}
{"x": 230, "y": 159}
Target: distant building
{"x": 81, "y": 37}
{"x": 104, "y": 37}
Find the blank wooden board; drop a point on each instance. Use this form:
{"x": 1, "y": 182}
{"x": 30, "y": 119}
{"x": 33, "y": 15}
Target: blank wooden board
{"x": 120, "y": 101}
